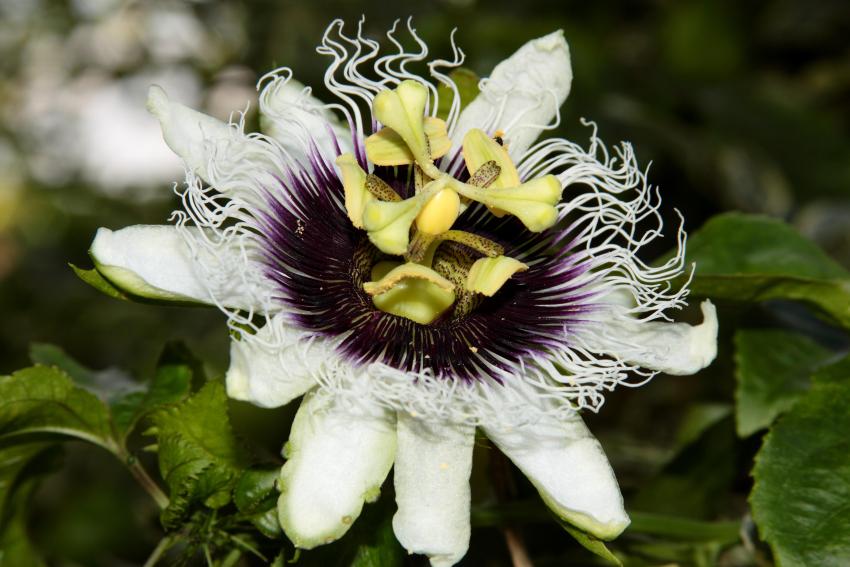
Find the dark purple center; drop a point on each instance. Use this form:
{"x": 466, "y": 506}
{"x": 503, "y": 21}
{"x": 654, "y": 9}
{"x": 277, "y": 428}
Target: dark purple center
{"x": 319, "y": 261}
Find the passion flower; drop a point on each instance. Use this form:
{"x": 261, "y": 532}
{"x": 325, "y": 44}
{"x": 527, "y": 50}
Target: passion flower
{"x": 416, "y": 275}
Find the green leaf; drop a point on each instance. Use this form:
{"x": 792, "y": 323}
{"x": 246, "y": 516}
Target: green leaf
{"x": 836, "y": 372}
{"x": 97, "y": 281}
{"x": 13, "y": 460}
{"x": 467, "y": 87}
{"x": 772, "y": 370}
{"x": 752, "y": 258}
{"x": 42, "y": 400}
{"x": 380, "y": 550}
{"x": 369, "y": 543}
{"x": 16, "y": 549}
{"x": 171, "y": 384}
{"x": 198, "y": 454}
{"x": 802, "y": 487}
{"x": 21, "y": 468}
{"x": 590, "y": 543}
{"x": 256, "y": 496}
{"x": 52, "y": 355}
{"x": 696, "y": 483}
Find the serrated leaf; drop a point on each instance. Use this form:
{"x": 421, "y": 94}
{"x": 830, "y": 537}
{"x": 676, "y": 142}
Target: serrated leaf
{"x": 772, "y": 370}
{"x": 171, "y": 384}
{"x": 97, "y": 281}
{"x": 51, "y": 355}
{"x": 752, "y": 258}
{"x": 466, "y": 81}
{"x": 801, "y": 475}
{"x": 42, "y": 400}
{"x": 198, "y": 454}
{"x": 255, "y": 496}
{"x": 256, "y": 490}
{"x": 837, "y": 372}
{"x": 590, "y": 543}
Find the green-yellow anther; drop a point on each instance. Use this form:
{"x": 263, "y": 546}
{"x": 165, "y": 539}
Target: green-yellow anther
{"x": 485, "y": 175}
{"x": 402, "y": 110}
{"x": 488, "y": 275}
{"x": 479, "y": 148}
{"x": 354, "y": 184}
{"x": 386, "y": 147}
{"x": 410, "y": 290}
{"x": 533, "y": 202}
{"x": 476, "y": 242}
{"x": 440, "y": 213}
{"x": 380, "y": 189}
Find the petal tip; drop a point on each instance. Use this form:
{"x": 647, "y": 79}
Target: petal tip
{"x": 157, "y": 102}
{"x": 552, "y": 41}
{"x": 100, "y": 247}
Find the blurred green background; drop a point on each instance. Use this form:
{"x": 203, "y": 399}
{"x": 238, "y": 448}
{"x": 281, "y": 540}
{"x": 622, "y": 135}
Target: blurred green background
{"x": 737, "y": 105}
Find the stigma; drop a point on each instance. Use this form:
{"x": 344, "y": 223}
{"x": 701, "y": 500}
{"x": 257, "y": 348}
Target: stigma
{"x": 423, "y": 268}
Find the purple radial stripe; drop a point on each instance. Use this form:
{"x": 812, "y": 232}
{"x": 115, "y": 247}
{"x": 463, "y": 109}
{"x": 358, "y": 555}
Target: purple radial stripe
{"x": 315, "y": 257}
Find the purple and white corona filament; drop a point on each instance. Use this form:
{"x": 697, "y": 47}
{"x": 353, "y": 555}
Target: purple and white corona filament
{"x": 416, "y": 275}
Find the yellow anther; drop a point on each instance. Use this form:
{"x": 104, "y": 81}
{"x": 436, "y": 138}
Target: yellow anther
{"x": 386, "y": 147}
{"x": 354, "y": 183}
{"x": 488, "y": 275}
{"x": 440, "y": 213}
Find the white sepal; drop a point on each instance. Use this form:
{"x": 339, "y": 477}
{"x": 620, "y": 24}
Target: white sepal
{"x": 675, "y": 348}
{"x": 154, "y": 261}
{"x": 199, "y": 139}
{"x": 338, "y": 457}
{"x": 522, "y": 95}
{"x": 276, "y": 365}
{"x": 432, "y": 470}
{"x": 295, "y": 118}
{"x": 570, "y": 470}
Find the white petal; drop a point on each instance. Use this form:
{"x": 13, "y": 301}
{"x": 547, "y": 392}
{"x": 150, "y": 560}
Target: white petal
{"x": 198, "y": 138}
{"x": 522, "y": 95}
{"x": 674, "y": 348}
{"x": 431, "y": 474}
{"x": 154, "y": 261}
{"x": 276, "y": 365}
{"x": 293, "y": 117}
{"x": 570, "y": 470}
{"x": 338, "y": 458}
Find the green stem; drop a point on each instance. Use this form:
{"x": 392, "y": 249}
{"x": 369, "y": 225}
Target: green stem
{"x": 684, "y": 528}
{"x": 144, "y": 479}
{"x": 530, "y": 511}
{"x": 163, "y": 546}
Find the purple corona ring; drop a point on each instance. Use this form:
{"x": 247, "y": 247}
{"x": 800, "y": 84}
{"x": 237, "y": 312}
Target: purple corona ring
{"x": 416, "y": 268}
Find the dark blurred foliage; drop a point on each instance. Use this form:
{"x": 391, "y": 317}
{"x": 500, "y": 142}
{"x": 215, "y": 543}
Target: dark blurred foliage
{"x": 737, "y": 106}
